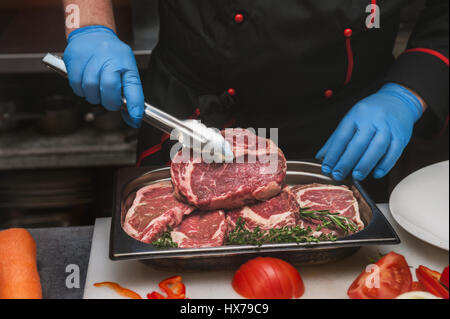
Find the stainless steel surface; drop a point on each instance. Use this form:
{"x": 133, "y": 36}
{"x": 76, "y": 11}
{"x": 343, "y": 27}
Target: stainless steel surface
{"x": 187, "y": 135}
{"x": 377, "y": 231}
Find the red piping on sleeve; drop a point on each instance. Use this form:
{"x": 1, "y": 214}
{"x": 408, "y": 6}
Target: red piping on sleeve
{"x": 444, "y": 128}
{"x": 152, "y": 150}
{"x": 441, "y": 57}
{"x": 156, "y": 148}
{"x": 350, "y": 58}
{"x": 438, "y": 55}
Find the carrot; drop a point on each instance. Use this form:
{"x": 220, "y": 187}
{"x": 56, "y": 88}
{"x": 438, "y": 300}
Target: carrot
{"x": 19, "y": 278}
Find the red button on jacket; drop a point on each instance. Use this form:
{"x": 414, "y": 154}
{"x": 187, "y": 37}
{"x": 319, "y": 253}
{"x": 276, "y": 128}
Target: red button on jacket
{"x": 348, "y": 33}
{"x": 239, "y": 18}
{"x": 328, "y": 93}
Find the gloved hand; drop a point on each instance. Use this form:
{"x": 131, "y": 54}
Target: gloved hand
{"x": 100, "y": 67}
{"x": 373, "y": 134}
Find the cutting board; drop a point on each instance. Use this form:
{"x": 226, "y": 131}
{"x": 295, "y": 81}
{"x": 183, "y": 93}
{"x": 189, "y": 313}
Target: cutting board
{"x": 321, "y": 281}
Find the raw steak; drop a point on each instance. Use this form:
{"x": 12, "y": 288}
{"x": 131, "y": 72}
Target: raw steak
{"x": 336, "y": 199}
{"x": 201, "y": 229}
{"x": 278, "y": 212}
{"x": 256, "y": 174}
{"x": 154, "y": 209}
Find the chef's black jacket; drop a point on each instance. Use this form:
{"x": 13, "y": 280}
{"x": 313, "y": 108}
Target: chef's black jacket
{"x": 295, "y": 65}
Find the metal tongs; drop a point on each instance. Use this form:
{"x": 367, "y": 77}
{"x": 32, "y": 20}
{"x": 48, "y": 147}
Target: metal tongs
{"x": 191, "y": 134}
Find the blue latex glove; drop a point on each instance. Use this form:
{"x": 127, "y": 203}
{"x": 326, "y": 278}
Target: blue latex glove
{"x": 101, "y": 67}
{"x": 372, "y": 135}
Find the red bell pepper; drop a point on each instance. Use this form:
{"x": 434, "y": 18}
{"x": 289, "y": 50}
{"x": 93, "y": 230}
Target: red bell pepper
{"x": 119, "y": 289}
{"x": 173, "y": 287}
{"x": 430, "y": 279}
{"x": 155, "y": 295}
{"x": 444, "y": 277}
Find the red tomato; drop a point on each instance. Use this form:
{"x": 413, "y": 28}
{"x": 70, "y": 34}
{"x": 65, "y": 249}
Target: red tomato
{"x": 268, "y": 278}
{"x": 444, "y": 277}
{"x": 394, "y": 279}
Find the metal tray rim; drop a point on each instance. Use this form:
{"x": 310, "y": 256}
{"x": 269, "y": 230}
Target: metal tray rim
{"x": 355, "y": 240}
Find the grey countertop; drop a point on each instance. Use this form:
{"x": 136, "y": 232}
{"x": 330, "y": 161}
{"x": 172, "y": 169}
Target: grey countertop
{"x": 61, "y": 252}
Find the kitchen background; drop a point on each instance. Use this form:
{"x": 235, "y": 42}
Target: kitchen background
{"x": 58, "y": 154}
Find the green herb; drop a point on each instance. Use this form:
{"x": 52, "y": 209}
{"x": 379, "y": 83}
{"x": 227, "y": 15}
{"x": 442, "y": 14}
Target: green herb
{"x": 165, "y": 241}
{"x": 329, "y": 220}
{"x": 257, "y": 237}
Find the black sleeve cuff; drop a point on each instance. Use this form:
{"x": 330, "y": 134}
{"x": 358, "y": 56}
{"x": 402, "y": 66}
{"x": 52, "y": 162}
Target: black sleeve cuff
{"x": 426, "y": 74}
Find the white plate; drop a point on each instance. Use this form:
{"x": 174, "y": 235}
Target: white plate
{"x": 420, "y": 204}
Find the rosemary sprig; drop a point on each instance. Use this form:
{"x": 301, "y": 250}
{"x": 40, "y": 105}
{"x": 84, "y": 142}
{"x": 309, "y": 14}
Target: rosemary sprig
{"x": 257, "y": 237}
{"x": 165, "y": 241}
{"x": 329, "y": 220}
{"x": 296, "y": 234}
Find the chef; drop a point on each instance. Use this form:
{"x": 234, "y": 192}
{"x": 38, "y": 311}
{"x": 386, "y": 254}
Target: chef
{"x": 321, "y": 72}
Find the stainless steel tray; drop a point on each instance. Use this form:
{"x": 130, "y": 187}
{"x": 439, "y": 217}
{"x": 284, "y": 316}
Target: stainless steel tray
{"x": 378, "y": 231}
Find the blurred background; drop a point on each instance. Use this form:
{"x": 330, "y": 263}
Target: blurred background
{"x": 58, "y": 154}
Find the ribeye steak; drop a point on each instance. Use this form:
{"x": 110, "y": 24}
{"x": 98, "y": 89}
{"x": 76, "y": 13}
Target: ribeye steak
{"x": 335, "y": 199}
{"x": 154, "y": 209}
{"x": 201, "y": 229}
{"x": 278, "y": 212}
{"x": 257, "y": 173}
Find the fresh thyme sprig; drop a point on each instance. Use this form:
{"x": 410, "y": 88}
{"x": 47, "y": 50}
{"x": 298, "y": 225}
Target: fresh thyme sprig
{"x": 240, "y": 235}
{"x": 257, "y": 237}
{"x": 165, "y": 241}
{"x": 329, "y": 220}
